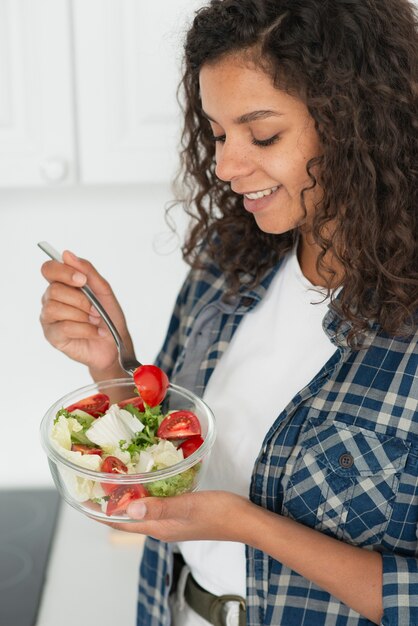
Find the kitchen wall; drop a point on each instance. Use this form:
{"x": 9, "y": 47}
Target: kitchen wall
{"x": 121, "y": 229}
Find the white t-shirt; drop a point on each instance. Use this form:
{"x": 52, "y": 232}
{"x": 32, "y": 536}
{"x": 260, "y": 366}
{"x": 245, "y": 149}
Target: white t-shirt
{"x": 276, "y": 351}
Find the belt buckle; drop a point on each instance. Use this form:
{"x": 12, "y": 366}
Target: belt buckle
{"x": 216, "y": 616}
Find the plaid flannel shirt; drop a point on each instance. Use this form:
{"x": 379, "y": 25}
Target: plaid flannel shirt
{"x": 341, "y": 458}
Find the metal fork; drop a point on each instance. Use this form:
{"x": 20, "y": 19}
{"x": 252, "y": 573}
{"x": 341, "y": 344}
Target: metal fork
{"x": 127, "y": 358}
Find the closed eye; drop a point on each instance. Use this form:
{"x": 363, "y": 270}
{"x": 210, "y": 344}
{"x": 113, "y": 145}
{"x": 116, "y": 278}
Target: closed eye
{"x": 265, "y": 142}
{"x": 262, "y": 143}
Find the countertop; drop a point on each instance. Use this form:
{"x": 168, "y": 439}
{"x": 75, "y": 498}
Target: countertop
{"x": 92, "y": 574}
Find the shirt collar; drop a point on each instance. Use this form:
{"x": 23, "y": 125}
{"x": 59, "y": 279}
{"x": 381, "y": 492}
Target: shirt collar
{"x": 246, "y": 298}
{"x": 335, "y": 327}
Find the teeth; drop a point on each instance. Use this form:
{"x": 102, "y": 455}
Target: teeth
{"x": 260, "y": 194}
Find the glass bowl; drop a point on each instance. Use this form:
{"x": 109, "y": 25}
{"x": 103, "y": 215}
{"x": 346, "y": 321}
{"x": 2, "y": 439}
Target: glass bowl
{"x": 82, "y": 488}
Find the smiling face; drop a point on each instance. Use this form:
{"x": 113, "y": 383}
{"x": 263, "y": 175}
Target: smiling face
{"x": 264, "y": 139}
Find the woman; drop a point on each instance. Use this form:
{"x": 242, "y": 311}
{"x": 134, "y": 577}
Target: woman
{"x": 297, "y": 322}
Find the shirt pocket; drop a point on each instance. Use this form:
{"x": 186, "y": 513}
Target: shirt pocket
{"x": 344, "y": 479}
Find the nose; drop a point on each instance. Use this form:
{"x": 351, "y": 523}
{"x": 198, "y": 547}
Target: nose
{"x": 232, "y": 161}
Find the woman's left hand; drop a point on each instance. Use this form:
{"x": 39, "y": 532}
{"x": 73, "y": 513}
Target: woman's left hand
{"x": 214, "y": 515}
{"x": 350, "y": 573}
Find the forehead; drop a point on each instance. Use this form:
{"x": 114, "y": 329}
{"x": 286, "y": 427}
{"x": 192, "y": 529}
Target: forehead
{"x": 235, "y": 86}
{"x": 236, "y": 69}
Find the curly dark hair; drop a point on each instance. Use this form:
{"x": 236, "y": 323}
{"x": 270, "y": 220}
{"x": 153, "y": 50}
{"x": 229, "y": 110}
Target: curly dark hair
{"x": 354, "y": 64}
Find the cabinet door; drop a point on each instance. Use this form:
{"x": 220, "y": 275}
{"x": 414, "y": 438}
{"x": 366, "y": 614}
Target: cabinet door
{"x": 36, "y": 127}
{"x": 128, "y": 57}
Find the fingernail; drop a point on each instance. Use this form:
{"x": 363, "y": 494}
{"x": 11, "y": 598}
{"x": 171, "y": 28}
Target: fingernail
{"x": 79, "y": 278}
{"x": 94, "y": 312}
{"x": 102, "y": 332}
{"x": 137, "y": 510}
{"x": 94, "y": 320}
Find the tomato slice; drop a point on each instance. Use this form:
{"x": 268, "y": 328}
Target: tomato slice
{"x": 93, "y": 405}
{"x": 179, "y": 425}
{"x": 122, "y": 496}
{"x": 84, "y": 449}
{"x": 152, "y": 384}
{"x": 190, "y": 445}
{"x": 112, "y": 465}
{"x": 137, "y": 402}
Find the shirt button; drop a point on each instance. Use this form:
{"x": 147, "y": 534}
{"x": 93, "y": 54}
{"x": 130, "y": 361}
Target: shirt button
{"x": 346, "y": 460}
{"x": 246, "y": 301}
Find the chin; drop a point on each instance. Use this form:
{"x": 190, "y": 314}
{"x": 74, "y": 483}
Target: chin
{"x": 271, "y": 228}
{"x": 278, "y": 223}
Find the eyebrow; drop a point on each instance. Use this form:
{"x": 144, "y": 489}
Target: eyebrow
{"x": 249, "y": 117}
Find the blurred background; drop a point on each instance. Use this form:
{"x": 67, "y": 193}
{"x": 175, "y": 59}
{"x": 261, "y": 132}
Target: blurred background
{"x": 89, "y": 126}
{"x": 89, "y": 129}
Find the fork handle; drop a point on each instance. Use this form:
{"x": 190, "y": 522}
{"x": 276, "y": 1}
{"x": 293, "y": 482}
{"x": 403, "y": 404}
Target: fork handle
{"x": 91, "y": 296}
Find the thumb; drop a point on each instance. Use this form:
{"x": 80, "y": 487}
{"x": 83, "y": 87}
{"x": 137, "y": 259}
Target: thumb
{"x": 69, "y": 258}
{"x": 137, "y": 510}
{"x": 157, "y": 509}
{"x": 96, "y": 282}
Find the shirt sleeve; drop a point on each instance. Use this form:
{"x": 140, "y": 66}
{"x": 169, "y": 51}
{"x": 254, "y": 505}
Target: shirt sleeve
{"x": 400, "y": 590}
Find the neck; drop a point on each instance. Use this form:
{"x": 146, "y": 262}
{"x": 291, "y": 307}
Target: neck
{"x": 331, "y": 273}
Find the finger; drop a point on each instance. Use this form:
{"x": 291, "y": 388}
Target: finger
{"x": 54, "y": 311}
{"x": 126, "y": 528}
{"x": 94, "y": 313}
{"x": 57, "y": 292}
{"x": 76, "y": 272}
{"x": 139, "y": 511}
{"x": 53, "y": 271}
{"x": 60, "y": 333}
{"x": 96, "y": 282}
{"x": 158, "y": 509}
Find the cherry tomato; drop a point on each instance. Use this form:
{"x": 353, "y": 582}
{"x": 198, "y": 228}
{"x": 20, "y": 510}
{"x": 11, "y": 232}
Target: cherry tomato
{"x": 179, "y": 425}
{"x": 122, "y": 496}
{"x": 93, "y": 405}
{"x": 190, "y": 445}
{"x": 152, "y": 384}
{"x": 137, "y": 402}
{"x": 112, "y": 465}
{"x": 84, "y": 449}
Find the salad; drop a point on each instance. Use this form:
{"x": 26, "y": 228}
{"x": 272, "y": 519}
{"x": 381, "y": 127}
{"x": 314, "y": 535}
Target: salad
{"x": 133, "y": 436}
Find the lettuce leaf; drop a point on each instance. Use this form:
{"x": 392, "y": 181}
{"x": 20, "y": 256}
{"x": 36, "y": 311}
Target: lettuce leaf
{"x": 151, "y": 418}
{"x": 175, "y": 485}
{"x": 84, "y": 420}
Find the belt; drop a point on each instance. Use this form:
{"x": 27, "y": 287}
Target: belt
{"x": 206, "y": 604}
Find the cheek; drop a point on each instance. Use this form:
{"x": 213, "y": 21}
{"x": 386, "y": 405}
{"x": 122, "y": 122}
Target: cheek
{"x": 292, "y": 175}
{"x": 297, "y": 173}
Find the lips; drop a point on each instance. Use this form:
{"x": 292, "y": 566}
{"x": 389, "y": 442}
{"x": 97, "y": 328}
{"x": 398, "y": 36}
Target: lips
{"x": 257, "y": 201}
{"x": 256, "y": 195}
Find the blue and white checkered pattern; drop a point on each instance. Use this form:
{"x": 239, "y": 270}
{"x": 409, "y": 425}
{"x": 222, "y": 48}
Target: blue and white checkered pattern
{"x": 341, "y": 458}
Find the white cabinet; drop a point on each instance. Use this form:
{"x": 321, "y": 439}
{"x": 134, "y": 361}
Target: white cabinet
{"x": 88, "y": 90}
{"x": 128, "y": 57}
{"x": 36, "y": 117}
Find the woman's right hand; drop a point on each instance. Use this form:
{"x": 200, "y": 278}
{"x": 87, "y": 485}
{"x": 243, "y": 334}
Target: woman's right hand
{"x": 72, "y": 325}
